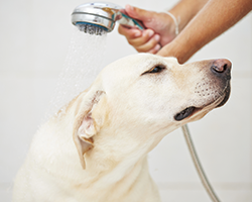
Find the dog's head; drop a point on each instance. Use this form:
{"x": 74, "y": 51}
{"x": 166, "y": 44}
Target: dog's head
{"x": 147, "y": 96}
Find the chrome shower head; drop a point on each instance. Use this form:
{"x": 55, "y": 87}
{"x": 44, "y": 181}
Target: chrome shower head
{"x": 100, "y": 17}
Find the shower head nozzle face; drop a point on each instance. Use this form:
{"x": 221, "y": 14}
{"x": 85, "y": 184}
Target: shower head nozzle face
{"x": 98, "y": 14}
{"x": 91, "y": 28}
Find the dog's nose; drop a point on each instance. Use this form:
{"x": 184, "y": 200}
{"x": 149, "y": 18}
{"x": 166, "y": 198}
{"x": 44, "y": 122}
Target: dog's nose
{"x": 221, "y": 67}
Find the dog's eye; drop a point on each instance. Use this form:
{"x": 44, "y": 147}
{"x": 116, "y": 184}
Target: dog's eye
{"x": 156, "y": 69}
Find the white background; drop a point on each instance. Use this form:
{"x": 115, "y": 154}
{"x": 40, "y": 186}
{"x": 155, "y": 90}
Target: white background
{"x": 34, "y": 39}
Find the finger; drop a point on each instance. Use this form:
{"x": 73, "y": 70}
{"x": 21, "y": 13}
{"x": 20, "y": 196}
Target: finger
{"x": 155, "y": 49}
{"x": 137, "y": 13}
{"x": 139, "y": 41}
{"x": 129, "y": 33}
{"x": 150, "y": 44}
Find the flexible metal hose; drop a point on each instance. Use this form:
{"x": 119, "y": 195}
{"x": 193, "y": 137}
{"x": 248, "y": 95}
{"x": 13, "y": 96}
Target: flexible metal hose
{"x": 198, "y": 166}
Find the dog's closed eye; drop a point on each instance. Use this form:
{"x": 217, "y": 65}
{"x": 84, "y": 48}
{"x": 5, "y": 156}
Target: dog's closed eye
{"x": 156, "y": 69}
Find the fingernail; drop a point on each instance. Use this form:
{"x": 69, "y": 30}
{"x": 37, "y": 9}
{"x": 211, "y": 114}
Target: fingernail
{"x": 157, "y": 37}
{"x": 150, "y": 33}
{"x": 129, "y": 7}
{"x": 138, "y": 33}
{"x": 157, "y": 47}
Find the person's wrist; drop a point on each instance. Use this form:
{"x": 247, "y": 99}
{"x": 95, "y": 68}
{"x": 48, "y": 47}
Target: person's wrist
{"x": 168, "y": 28}
{"x": 175, "y": 25}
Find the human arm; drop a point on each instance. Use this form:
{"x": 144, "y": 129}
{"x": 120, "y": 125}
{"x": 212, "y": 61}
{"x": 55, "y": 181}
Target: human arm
{"x": 213, "y": 19}
{"x": 160, "y": 26}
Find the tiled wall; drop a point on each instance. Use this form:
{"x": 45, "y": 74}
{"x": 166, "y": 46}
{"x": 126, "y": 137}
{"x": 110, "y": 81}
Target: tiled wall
{"x": 33, "y": 45}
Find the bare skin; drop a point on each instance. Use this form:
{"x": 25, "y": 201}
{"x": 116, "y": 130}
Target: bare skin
{"x": 160, "y": 27}
{"x": 198, "y": 26}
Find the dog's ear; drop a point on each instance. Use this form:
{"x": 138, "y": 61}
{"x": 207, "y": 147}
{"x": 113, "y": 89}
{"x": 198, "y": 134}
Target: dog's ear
{"x": 85, "y": 125}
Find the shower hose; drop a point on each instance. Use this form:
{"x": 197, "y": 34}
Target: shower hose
{"x": 198, "y": 166}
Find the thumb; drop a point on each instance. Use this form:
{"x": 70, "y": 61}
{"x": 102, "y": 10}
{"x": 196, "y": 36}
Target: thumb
{"x": 139, "y": 14}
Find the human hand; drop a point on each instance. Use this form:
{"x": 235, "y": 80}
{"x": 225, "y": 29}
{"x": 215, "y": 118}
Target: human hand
{"x": 160, "y": 30}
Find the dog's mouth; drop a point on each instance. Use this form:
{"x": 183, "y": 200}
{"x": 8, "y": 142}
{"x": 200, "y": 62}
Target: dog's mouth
{"x": 189, "y": 111}
{"x": 227, "y": 94}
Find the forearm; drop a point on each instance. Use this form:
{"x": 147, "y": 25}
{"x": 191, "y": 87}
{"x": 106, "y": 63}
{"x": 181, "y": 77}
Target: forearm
{"x": 213, "y": 19}
{"x": 185, "y": 10}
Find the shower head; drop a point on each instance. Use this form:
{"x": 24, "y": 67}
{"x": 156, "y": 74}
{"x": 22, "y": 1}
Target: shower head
{"x": 100, "y": 17}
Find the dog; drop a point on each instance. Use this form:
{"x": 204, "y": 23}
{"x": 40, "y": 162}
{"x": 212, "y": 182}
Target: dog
{"x": 95, "y": 150}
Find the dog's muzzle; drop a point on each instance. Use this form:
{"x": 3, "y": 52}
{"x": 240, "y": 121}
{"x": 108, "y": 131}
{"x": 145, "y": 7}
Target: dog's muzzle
{"x": 221, "y": 69}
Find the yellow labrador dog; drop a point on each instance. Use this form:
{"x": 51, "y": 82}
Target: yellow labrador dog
{"x": 96, "y": 151}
